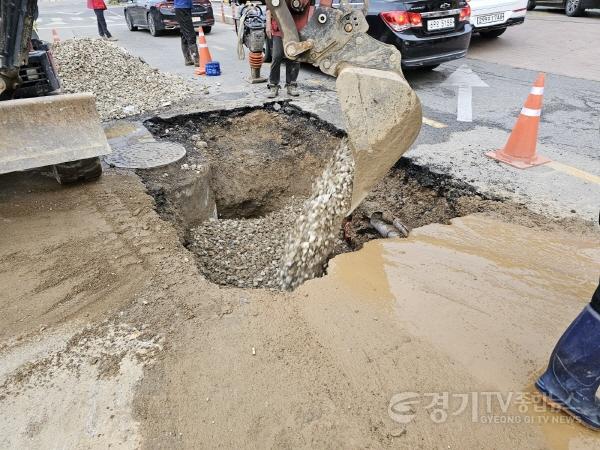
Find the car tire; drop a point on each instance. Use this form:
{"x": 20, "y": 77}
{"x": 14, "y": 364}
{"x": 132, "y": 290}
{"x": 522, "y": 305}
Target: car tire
{"x": 573, "y": 8}
{"x": 531, "y": 4}
{"x": 493, "y": 34}
{"x": 207, "y": 30}
{"x": 153, "y": 24}
{"x": 129, "y": 21}
{"x": 83, "y": 170}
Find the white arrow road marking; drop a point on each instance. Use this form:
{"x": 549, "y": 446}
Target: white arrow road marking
{"x": 465, "y": 79}
{"x": 464, "y": 106}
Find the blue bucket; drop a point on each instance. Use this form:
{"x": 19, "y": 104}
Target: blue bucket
{"x": 213, "y": 69}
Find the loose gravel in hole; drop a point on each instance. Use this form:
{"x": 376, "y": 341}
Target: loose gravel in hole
{"x": 284, "y": 248}
{"x": 124, "y": 85}
{"x": 244, "y": 252}
{"x": 313, "y": 238}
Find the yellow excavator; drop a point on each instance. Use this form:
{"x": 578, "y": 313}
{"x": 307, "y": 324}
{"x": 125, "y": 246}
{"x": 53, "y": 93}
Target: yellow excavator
{"x": 38, "y": 125}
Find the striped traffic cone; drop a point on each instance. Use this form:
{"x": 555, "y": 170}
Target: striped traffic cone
{"x": 520, "y": 148}
{"x": 203, "y": 53}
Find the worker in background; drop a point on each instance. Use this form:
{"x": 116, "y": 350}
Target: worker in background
{"x": 300, "y": 15}
{"x": 572, "y": 379}
{"x": 183, "y": 14}
{"x": 99, "y": 7}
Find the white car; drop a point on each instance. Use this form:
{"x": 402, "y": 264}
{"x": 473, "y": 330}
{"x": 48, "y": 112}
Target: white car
{"x": 490, "y": 18}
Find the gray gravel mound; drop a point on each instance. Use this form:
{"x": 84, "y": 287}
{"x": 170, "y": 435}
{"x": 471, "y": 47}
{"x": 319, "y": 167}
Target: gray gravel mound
{"x": 313, "y": 237}
{"x": 244, "y": 252}
{"x": 123, "y": 84}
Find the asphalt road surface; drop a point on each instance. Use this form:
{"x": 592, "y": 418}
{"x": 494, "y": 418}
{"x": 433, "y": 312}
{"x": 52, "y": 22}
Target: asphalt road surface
{"x": 549, "y": 41}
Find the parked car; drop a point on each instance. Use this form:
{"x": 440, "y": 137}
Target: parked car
{"x": 573, "y": 8}
{"x": 158, "y": 16}
{"x": 427, "y": 32}
{"x": 490, "y": 18}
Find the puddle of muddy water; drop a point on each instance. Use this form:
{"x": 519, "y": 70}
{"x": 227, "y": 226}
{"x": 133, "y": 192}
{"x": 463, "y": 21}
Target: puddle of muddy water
{"x": 235, "y": 196}
{"x": 493, "y": 297}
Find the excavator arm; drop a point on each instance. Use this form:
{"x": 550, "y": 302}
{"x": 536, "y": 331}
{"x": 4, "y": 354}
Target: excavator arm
{"x": 381, "y": 111}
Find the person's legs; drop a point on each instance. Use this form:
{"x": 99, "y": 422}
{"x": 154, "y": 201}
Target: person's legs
{"x": 572, "y": 378}
{"x": 292, "y": 69}
{"x": 274, "y": 74}
{"x": 100, "y": 21}
{"x": 188, "y": 35}
{"x": 103, "y": 23}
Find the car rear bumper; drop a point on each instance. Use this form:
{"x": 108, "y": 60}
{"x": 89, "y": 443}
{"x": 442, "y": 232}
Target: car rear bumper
{"x": 207, "y": 19}
{"x": 432, "y": 50}
{"x": 511, "y": 17}
{"x": 508, "y": 23}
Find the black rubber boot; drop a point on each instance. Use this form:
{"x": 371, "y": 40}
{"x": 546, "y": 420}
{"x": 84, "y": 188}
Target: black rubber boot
{"x": 573, "y": 375}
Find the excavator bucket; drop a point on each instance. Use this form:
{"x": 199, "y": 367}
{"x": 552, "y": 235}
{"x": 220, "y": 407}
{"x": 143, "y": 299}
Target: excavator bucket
{"x": 382, "y": 113}
{"x": 383, "y": 118}
{"x": 43, "y": 131}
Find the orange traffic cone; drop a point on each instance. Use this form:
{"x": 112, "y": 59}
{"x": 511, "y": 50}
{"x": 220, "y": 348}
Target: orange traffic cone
{"x": 203, "y": 53}
{"x": 520, "y": 148}
{"x": 55, "y": 36}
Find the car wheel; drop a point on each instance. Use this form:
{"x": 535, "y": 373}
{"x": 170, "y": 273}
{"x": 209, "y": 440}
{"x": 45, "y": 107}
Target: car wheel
{"x": 207, "y": 30}
{"x": 83, "y": 170}
{"x": 573, "y": 8}
{"x": 492, "y": 34}
{"x": 153, "y": 24}
{"x": 429, "y": 68}
{"x": 417, "y": 69}
{"x": 531, "y": 5}
{"x": 129, "y": 21}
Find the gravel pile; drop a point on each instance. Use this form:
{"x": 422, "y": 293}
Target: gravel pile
{"x": 313, "y": 237}
{"x": 124, "y": 85}
{"x": 244, "y": 252}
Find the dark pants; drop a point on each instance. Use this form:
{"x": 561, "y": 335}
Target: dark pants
{"x": 102, "y": 29}
{"x": 188, "y": 35}
{"x": 596, "y": 300}
{"x": 292, "y": 68}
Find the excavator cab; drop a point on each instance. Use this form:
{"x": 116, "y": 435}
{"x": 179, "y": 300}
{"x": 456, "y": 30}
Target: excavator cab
{"x": 38, "y": 125}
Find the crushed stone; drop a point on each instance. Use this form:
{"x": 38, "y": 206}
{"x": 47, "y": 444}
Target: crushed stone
{"x": 124, "y": 85}
{"x": 313, "y": 237}
{"x": 244, "y": 252}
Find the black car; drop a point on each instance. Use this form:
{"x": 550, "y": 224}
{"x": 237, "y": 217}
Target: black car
{"x": 573, "y": 8}
{"x": 427, "y": 32}
{"x": 159, "y": 15}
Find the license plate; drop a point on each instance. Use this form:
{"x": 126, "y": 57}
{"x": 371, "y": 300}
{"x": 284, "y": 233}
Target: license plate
{"x": 488, "y": 19}
{"x": 440, "y": 24}
{"x": 196, "y": 19}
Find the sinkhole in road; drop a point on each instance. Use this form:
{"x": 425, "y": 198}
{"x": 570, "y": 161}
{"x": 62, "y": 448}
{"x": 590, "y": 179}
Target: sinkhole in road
{"x": 240, "y": 188}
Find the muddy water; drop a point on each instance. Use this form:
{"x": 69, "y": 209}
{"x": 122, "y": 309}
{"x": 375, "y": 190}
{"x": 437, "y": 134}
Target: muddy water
{"x": 490, "y": 297}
